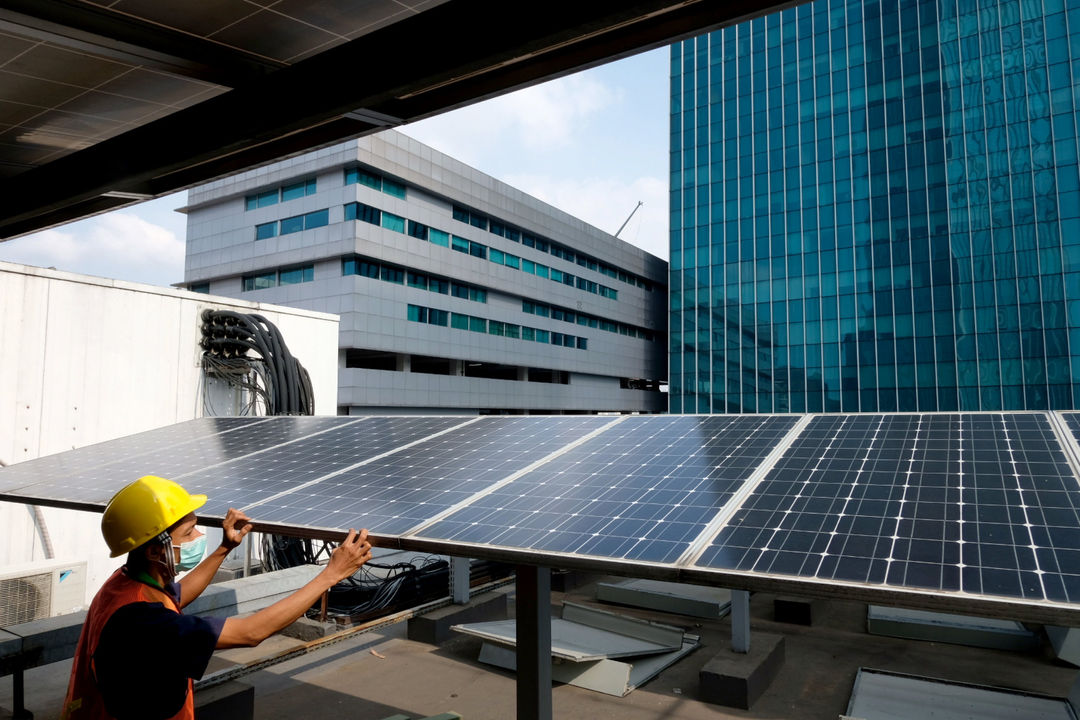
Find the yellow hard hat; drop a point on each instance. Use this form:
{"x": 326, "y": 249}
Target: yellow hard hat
{"x": 143, "y": 510}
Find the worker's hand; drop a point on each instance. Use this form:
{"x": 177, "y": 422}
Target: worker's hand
{"x": 233, "y": 528}
{"x": 349, "y": 556}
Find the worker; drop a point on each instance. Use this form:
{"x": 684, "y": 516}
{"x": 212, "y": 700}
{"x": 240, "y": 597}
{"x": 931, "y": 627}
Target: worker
{"x": 138, "y": 655}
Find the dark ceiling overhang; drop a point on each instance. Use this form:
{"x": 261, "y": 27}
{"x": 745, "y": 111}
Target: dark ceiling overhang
{"x": 451, "y": 55}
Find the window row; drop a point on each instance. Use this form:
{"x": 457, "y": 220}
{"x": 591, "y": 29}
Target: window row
{"x": 585, "y": 320}
{"x": 296, "y": 223}
{"x": 502, "y": 229}
{"x": 375, "y": 216}
{"x": 284, "y": 193}
{"x": 375, "y": 181}
{"x": 460, "y": 321}
{"x": 401, "y": 276}
{"x": 273, "y": 278}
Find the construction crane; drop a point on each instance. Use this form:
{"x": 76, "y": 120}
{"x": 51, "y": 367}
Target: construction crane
{"x": 639, "y": 204}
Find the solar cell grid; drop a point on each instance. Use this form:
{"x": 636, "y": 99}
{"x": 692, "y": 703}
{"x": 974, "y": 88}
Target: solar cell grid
{"x": 55, "y": 468}
{"x": 986, "y": 504}
{"x": 286, "y": 467}
{"x": 397, "y": 492}
{"x": 643, "y": 489}
{"x": 161, "y": 455}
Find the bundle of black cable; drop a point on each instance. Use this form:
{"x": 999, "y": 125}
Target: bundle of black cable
{"x": 236, "y": 345}
{"x": 379, "y": 590}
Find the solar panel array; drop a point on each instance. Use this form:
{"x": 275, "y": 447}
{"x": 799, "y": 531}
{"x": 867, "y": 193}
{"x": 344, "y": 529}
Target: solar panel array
{"x": 968, "y": 505}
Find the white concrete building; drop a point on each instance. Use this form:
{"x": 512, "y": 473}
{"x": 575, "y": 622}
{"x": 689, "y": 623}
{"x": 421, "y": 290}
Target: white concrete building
{"x": 457, "y": 293}
{"x": 86, "y": 359}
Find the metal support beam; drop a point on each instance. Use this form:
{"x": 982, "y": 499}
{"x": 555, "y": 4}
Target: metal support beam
{"x": 533, "y": 643}
{"x": 740, "y": 621}
{"x": 459, "y": 580}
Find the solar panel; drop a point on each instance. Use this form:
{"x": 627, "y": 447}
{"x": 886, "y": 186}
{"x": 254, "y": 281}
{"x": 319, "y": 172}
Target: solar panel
{"x": 980, "y": 503}
{"x": 62, "y": 465}
{"x": 279, "y": 468}
{"x": 961, "y": 511}
{"x": 1072, "y": 421}
{"x": 398, "y": 491}
{"x": 642, "y": 490}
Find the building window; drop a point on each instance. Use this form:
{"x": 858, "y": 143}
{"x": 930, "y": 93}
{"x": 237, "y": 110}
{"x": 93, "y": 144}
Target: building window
{"x": 292, "y": 224}
{"x": 362, "y": 212}
{"x": 459, "y": 243}
{"x": 496, "y": 256}
{"x": 512, "y": 261}
{"x": 418, "y": 314}
{"x": 438, "y": 237}
{"x": 438, "y": 317}
{"x": 477, "y": 324}
{"x": 363, "y": 177}
{"x": 260, "y": 200}
{"x": 477, "y": 250}
{"x": 259, "y": 282}
{"x": 266, "y": 230}
{"x": 439, "y": 285}
{"x": 393, "y": 274}
{"x": 418, "y": 230}
{"x": 297, "y": 189}
{"x": 390, "y": 187}
{"x": 319, "y": 218}
{"x": 292, "y": 276}
{"x": 393, "y": 222}
{"x": 203, "y": 288}
{"x": 418, "y": 280}
{"x": 459, "y": 321}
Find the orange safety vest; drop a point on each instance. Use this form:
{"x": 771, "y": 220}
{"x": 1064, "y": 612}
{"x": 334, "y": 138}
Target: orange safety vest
{"x": 84, "y": 701}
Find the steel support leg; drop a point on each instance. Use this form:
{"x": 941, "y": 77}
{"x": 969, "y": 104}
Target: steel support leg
{"x": 533, "y": 643}
{"x": 18, "y": 698}
{"x": 740, "y": 621}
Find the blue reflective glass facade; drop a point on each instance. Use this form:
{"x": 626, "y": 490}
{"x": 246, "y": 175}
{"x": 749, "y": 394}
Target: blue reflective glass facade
{"x": 875, "y": 206}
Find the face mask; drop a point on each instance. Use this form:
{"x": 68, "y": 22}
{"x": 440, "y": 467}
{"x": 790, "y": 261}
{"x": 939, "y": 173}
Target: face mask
{"x": 191, "y": 554}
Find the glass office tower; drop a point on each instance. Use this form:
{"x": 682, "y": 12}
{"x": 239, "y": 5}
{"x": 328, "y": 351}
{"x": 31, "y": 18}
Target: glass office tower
{"x": 875, "y": 206}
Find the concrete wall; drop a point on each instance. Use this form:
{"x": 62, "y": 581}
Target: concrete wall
{"x": 85, "y": 359}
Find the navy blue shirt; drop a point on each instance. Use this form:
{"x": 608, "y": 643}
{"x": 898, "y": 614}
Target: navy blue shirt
{"x": 146, "y": 654}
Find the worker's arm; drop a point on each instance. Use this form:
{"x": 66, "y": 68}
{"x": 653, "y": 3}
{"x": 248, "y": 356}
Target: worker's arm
{"x": 253, "y": 629}
{"x": 233, "y": 529}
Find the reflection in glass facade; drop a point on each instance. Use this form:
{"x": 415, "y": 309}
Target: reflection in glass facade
{"x": 875, "y": 206}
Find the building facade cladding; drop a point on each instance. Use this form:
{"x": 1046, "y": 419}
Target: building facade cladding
{"x": 432, "y": 264}
{"x": 875, "y": 206}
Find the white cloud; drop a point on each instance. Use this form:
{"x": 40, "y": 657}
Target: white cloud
{"x": 537, "y": 119}
{"x": 606, "y": 203}
{"x": 117, "y": 245}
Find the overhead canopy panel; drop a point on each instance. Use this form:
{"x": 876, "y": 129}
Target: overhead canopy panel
{"x": 103, "y": 104}
{"x": 974, "y": 513}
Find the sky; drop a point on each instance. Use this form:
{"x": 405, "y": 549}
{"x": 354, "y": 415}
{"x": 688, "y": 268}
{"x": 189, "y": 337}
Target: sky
{"x": 593, "y": 144}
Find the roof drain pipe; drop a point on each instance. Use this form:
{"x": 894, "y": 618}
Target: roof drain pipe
{"x": 39, "y": 523}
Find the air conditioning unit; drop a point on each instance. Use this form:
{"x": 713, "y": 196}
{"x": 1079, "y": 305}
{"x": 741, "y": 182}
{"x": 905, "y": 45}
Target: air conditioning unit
{"x": 42, "y": 589}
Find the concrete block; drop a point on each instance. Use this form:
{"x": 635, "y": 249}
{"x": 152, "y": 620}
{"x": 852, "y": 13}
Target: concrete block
{"x": 434, "y": 627}
{"x": 307, "y": 629}
{"x": 738, "y": 679}
{"x": 797, "y": 611}
{"x": 244, "y": 595}
{"x": 50, "y": 639}
{"x": 232, "y": 700}
{"x": 567, "y": 580}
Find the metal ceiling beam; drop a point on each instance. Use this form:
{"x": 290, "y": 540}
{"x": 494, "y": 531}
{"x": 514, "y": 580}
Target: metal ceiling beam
{"x": 345, "y": 91}
{"x": 110, "y": 34}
